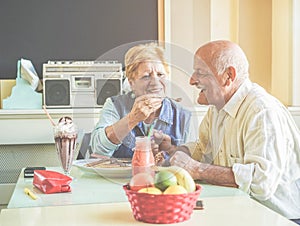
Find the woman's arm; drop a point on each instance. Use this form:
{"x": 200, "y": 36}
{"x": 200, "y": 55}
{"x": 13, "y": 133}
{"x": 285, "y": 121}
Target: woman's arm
{"x": 119, "y": 130}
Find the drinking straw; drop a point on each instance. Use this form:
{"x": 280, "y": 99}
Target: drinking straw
{"x": 150, "y": 133}
{"x": 47, "y": 113}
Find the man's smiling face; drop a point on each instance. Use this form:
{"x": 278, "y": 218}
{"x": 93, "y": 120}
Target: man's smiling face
{"x": 208, "y": 84}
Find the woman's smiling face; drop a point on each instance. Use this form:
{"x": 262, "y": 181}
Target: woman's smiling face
{"x": 150, "y": 77}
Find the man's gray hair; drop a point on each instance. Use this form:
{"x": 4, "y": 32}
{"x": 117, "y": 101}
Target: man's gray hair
{"x": 235, "y": 57}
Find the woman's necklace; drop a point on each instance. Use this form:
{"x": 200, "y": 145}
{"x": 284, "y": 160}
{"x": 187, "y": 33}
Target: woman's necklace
{"x": 148, "y": 125}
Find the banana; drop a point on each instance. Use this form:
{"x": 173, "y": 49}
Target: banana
{"x": 183, "y": 177}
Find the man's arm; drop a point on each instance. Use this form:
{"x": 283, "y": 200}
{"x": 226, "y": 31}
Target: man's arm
{"x": 212, "y": 174}
{"x": 181, "y": 156}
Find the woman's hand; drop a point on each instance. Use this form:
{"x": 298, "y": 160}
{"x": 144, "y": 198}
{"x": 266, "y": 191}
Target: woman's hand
{"x": 144, "y": 106}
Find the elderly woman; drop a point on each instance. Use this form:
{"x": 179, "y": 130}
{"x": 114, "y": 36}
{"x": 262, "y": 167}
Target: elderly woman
{"x": 126, "y": 116}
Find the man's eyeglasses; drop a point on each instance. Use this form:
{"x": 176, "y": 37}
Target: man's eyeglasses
{"x": 202, "y": 75}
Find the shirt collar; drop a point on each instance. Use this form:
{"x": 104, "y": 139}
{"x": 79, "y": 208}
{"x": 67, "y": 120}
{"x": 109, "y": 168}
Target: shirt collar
{"x": 166, "y": 113}
{"x": 233, "y": 105}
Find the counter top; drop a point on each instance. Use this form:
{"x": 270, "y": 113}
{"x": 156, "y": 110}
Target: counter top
{"x": 24, "y": 113}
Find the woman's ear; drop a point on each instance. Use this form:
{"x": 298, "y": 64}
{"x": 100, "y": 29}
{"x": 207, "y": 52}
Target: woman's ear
{"x": 131, "y": 83}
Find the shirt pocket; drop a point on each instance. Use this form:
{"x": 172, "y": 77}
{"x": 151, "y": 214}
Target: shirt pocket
{"x": 235, "y": 158}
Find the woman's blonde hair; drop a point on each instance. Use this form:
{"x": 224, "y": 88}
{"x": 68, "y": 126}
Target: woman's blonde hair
{"x": 142, "y": 53}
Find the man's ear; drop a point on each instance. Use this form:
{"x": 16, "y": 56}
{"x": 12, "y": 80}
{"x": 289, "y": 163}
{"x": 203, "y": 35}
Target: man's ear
{"x": 231, "y": 75}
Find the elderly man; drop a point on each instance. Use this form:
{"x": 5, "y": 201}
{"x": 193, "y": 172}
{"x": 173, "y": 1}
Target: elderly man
{"x": 247, "y": 139}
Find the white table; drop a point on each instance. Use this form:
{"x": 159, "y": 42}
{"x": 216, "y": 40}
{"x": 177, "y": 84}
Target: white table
{"x": 88, "y": 188}
{"x": 98, "y": 201}
{"x": 226, "y": 211}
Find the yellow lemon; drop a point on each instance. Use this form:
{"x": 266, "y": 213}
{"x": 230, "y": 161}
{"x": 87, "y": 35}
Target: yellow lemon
{"x": 150, "y": 190}
{"x": 175, "y": 189}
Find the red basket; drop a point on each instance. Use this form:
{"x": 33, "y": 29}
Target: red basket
{"x": 162, "y": 209}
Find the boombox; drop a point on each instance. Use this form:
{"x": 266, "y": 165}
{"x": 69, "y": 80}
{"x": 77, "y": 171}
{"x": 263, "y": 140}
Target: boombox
{"x": 80, "y": 84}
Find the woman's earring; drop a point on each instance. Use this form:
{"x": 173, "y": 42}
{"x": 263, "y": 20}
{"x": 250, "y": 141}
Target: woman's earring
{"x": 132, "y": 95}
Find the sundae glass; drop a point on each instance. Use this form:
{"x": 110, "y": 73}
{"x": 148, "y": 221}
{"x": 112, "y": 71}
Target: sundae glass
{"x": 65, "y": 135}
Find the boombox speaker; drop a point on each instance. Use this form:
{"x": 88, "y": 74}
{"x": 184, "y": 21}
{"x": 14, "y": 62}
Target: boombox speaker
{"x": 57, "y": 92}
{"x": 107, "y": 88}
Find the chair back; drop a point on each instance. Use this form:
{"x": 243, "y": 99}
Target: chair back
{"x": 85, "y": 148}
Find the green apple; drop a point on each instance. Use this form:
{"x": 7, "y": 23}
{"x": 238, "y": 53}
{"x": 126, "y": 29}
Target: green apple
{"x": 163, "y": 179}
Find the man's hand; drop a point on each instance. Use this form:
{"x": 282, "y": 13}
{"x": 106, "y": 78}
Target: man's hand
{"x": 164, "y": 142}
{"x": 183, "y": 160}
{"x": 211, "y": 174}
{"x": 154, "y": 147}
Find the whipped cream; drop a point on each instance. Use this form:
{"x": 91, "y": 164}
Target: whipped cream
{"x": 65, "y": 128}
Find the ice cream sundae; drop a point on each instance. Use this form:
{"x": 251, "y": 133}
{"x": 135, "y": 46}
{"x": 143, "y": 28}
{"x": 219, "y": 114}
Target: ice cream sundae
{"x": 65, "y": 135}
